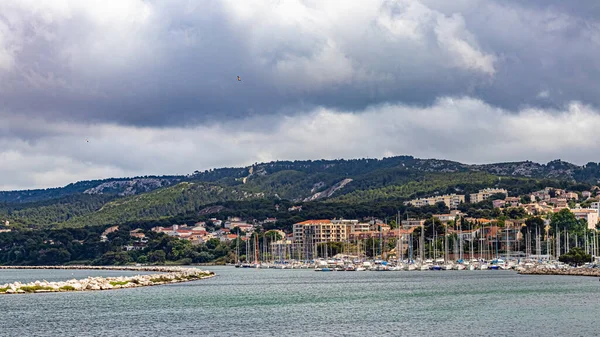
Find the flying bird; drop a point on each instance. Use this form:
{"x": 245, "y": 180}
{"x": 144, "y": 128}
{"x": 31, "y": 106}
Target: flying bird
{"x": 87, "y": 141}
{"x": 239, "y": 79}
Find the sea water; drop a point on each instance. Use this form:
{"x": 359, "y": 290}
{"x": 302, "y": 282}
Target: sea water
{"x": 273, "y": 302}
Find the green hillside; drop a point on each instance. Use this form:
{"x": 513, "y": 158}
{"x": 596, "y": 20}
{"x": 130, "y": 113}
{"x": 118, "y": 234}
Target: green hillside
{"x": 54, "y": 211}
{"x": 326, "y": 185}
{"x": 425, "y": 185}
{"x": 181, "y": 198}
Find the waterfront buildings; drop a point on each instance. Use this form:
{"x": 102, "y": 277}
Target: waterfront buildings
{"x": 320, "y": 231}
{"x": 311, "y": 233}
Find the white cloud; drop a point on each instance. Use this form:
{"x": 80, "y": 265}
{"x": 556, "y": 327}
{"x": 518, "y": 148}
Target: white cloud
{"x": 458, "y": 128}
{"x": 460, "y": 43}
{"x": 543, "y": 94}
{"x": 8, "y": 47}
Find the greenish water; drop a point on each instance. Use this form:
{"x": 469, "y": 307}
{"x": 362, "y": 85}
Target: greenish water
{"x": 267, "y": 302}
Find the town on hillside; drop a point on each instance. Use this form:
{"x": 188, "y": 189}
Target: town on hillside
{"x": 542, "y": 225}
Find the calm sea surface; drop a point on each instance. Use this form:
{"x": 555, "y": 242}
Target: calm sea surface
{"x": 267, "y": 302}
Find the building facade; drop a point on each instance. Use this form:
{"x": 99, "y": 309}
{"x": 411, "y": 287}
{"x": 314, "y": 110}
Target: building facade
{"x": 311, "y": 233}
{"x": 320, "y": 231}
{"x": 589, "y": 215}
{"x": 486, "y": 193}
{"x": 451, "y": 201}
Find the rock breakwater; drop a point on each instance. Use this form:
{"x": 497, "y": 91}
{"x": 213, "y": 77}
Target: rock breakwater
{"x": 560, "y": 271}
{"x": 164, "y": 275}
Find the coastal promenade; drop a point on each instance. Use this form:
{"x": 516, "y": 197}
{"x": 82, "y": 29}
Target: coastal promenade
{"x": 163, "y": 275}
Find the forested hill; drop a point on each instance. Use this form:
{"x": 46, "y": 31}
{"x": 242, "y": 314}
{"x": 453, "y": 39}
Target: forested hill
{"x": 353, "y": 181}
{"x": 111, "y": 186}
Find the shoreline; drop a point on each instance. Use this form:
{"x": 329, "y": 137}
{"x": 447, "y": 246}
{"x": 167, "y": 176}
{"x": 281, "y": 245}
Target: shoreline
{"x": 163, "y": 275}
{"x": 589, "y": 272}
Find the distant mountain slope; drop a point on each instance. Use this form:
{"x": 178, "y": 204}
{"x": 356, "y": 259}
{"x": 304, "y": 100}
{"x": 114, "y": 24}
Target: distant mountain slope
{"x": 112, "y": 186}
{"x": 346, "y": 181}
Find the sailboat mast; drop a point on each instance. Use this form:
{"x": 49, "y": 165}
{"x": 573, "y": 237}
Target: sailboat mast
{"x": 256, "y": 249}
{"x": 398, "y": 242}
{"x": 507, "y": 244}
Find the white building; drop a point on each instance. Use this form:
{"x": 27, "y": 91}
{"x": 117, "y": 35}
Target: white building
{"x": 450, "y": 200}
{"x": 590, "y": 215}
{"x": 486, "y": 193}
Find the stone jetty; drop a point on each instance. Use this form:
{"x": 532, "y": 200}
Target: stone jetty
{"x": 162, "y": 275}
{"x": 541, "y": 270}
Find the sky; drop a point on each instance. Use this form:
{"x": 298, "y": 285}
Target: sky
{"x": 120, "y": 88}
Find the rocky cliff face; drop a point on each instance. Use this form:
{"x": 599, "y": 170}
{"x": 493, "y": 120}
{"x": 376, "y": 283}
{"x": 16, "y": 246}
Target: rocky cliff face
{"x": 330, "y": 191}
{"x": 554, "y": 169}
{"x": 130, "y": 187}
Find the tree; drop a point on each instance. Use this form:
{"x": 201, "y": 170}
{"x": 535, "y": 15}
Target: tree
{"x": 54, "y": 256}
{"x": 204, "y": 257}
{"x": 157, "y": 256}
{"x": 516, "y": 212}
{"x": 432, "y": 224}
{"x": 575, "y": 256}
{"x": 213, "y": 243}
{"x": 273, "y": 235}
{"x": 565, "y": 220}
{"x": 112, "y": 258}
{"x": 533, "y": 223}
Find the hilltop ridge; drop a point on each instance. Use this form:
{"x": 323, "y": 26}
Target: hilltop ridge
{"x": 352, "y": 181}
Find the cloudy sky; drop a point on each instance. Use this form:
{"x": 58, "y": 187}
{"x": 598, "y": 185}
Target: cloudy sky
{"x": 152, "y": 84}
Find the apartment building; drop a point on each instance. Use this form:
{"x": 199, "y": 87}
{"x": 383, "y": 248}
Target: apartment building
{"x": 360, "y": 227}
{"x": 448, "y": 217}
{"x": 486, "y": 193}
{"x": 412, "y": 223}
{"x": 590, "y": 215}
{"x": 320, "y": 231}
{"x": 570, "y": 195}
{"x": 450, "y": 200}
{"x": 311, "y": 233}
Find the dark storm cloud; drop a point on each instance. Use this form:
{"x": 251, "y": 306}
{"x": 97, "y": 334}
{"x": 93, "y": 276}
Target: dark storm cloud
{"x": 174, "y": 63}
{"x": 152, "y": 84}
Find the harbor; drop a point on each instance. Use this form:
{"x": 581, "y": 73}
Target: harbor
{"x": 413, "y": 250}
{"x": 342, "y": 264}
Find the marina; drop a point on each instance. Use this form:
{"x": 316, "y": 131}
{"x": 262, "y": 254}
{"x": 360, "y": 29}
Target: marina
{"x": 342, "y": 264}
{"x": 413, "y": 253}
{"x": 349, "y": 245}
